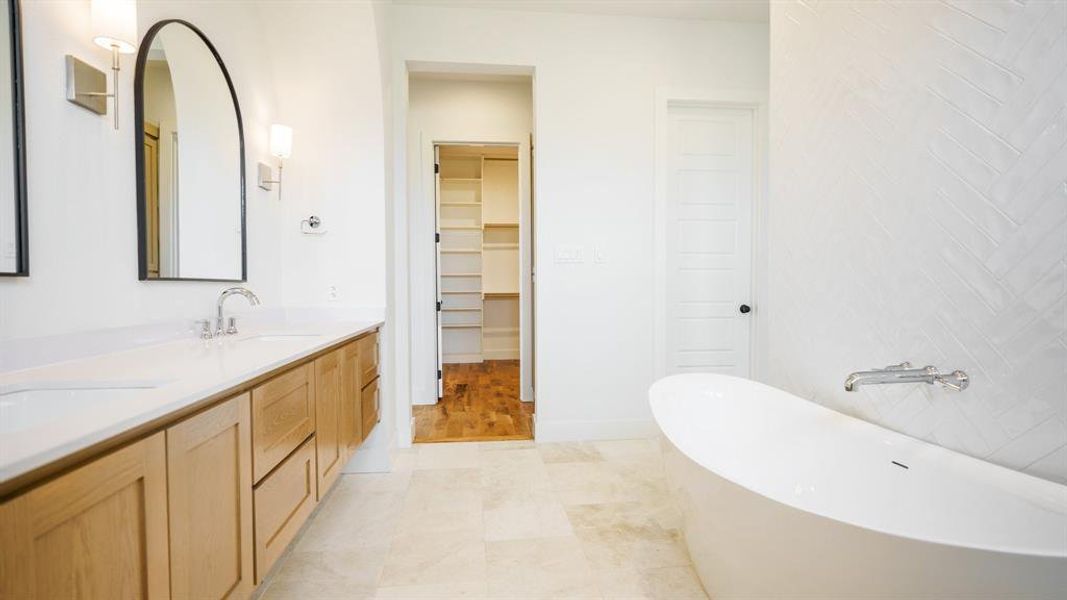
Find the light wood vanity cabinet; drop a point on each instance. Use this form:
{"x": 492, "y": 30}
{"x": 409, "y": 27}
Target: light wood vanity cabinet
{"x": 99, "y": 531}
{"x": 209, "y": 475}
{"x": 205, "y": 505}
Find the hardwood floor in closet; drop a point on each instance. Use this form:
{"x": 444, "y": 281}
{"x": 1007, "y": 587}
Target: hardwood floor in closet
{"x": 481, "y": 402}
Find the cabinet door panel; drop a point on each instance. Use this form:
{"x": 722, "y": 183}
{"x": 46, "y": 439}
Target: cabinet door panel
{"x": 99, "y": 531}
{"x": 209, "y": 471}
{"x": 329, "y": 452}
{"x": 283, "y": 416}
{"x": 351, "y": 401}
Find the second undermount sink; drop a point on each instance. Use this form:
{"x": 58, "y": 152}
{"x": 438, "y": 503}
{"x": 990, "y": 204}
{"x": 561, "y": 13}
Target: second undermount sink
{"x": 25, "y": 406}
{"x": 278, "y": 337}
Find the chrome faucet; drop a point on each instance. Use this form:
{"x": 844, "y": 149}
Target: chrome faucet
{"x": 905, "y": 373}
{"x": 220, "y": 320}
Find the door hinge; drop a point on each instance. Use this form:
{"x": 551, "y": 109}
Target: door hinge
{"x": 438, "y": 373}
{"x": 438, "y": 306}
{"x": 436, "y": 168}
{"x": 437, "y": 238}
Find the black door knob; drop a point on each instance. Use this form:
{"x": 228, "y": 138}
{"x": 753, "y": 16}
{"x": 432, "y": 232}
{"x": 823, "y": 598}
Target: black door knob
{"x": 745, "y": 309}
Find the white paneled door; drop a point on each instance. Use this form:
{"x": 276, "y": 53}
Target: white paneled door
{"x": 709, "y": 239}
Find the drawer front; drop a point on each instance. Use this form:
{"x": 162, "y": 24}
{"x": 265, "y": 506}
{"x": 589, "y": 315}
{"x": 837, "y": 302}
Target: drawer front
{"x": 371, "y": 406}
{"x": 283, "y": 502}
{"x": 368, "y": 357}
{"x": 283, "y": 416}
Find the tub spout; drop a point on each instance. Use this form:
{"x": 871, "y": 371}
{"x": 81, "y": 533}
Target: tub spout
{"x": 905, "y": 373}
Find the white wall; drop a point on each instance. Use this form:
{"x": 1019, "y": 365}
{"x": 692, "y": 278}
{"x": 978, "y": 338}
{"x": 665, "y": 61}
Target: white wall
{"x": 83, "y": 225}
{"x": 594, "y": 90}
{"x": 325, "y": 57}
{"x": 919, "y": 212}
{"x": 442, "y": 110}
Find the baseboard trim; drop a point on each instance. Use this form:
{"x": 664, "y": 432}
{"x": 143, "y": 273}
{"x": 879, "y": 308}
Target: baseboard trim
{"x": 508, "y": 354}
{"x": 576, "y": 431}
{"x": 454, "y": 359}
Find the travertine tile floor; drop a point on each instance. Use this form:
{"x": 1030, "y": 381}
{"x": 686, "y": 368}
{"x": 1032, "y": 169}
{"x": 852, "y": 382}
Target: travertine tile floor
{"x": 497, "y": 520}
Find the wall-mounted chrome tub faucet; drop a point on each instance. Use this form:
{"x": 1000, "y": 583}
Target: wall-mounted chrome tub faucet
{"x": 905, "y": 373}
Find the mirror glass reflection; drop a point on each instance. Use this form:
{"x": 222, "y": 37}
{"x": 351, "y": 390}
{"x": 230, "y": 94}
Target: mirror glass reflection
{"x": 191, "y": 211}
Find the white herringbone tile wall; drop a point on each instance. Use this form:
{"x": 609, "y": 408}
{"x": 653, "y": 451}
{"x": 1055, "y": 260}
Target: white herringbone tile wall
{"x": 918, "y": 211}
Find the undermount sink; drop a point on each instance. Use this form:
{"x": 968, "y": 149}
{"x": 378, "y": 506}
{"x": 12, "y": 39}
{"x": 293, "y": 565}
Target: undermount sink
{"x": 25, "y": 406}
{"x": 277, "y": 337}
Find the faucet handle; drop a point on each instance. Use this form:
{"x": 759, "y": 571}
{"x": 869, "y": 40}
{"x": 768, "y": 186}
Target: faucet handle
{"x": 956, "y": 381}
{"x": 205, "y": 329}
{"x": 901, "y": 367}
{"x": 231, "y": 328}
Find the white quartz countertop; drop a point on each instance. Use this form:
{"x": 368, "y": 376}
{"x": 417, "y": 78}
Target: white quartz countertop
{"x": 46, "y": 413}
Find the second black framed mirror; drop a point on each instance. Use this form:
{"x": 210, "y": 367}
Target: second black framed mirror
{"x": 190, "y": 160}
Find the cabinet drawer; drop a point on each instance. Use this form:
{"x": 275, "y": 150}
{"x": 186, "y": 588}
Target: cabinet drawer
{"x": 283, "y": 416}
{"x": 368, "y": 357}
{"x": 283, "y": 502}
{"x": 370, "y": 406}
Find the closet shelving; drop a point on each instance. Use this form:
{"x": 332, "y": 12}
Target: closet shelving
{"x": 478, "y": 210}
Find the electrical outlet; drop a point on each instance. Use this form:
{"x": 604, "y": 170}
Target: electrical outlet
{"x": 332, "y": 294}
{"x": 599, "y": 255}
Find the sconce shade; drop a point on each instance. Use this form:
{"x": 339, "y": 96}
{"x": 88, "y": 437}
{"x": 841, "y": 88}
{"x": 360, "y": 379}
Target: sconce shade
{"x": 281, "y": 141}
{"x": 115, "y": 24}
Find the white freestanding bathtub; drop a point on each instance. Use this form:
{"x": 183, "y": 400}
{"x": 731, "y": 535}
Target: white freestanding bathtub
{"x": 783, "y": 498}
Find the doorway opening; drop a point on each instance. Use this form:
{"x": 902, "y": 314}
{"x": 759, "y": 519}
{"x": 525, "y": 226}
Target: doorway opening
{"x": 479, "y": 208}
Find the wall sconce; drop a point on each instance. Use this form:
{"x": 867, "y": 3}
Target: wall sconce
{"x": 114, "y": 25}
{"x": 281, "y": 147}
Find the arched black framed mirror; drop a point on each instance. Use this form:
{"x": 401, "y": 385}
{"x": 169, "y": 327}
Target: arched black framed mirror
{"x": 14, "y": 226}
{"x": 190, "y": 160}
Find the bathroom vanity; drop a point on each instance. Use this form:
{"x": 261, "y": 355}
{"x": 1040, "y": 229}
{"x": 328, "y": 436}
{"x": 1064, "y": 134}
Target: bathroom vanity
{"x": 189, "y": 482}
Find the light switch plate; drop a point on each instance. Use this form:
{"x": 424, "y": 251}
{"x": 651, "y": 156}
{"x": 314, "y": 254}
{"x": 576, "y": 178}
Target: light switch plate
{"x": 569, "y": 254}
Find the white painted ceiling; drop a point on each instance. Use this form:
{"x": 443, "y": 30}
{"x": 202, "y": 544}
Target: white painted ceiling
{"x": 717, "y": 10}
